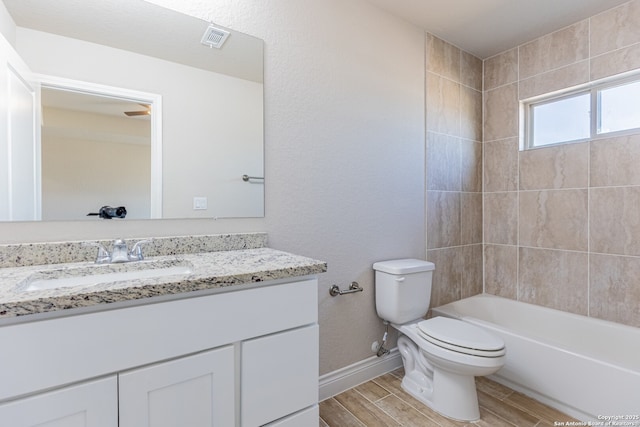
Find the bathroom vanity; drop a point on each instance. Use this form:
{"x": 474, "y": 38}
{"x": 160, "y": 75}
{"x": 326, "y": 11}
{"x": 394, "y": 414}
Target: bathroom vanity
{"x": 239, "y": 347}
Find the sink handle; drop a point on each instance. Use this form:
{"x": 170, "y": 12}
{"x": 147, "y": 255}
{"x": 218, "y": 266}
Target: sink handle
{"x": 136, "y": 250}
{"x": 103, "y": 256}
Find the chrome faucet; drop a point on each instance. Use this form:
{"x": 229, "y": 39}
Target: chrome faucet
{"x": 120, "y": 252}
{"x": 103, "y": 256}
{"x": 136, "y": 251}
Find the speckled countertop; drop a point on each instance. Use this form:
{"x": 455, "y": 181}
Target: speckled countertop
{"x": 206, "y": 271}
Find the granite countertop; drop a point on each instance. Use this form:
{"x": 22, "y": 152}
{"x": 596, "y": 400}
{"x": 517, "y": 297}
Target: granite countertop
{"x": 208, "y": 271}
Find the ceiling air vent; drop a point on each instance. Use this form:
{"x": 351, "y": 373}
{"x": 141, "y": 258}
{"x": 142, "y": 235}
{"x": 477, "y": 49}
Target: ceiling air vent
{"x": 214, "y": 37}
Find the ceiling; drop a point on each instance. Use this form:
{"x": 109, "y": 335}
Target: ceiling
{"x": 487, "y": 27}
{"x": 145, "y": 28}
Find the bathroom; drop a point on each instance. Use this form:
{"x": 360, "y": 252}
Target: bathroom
{"x": 346, "y": 138}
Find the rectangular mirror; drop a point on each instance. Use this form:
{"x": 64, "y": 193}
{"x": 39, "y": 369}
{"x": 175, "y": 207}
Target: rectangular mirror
{"x": 137, "y": 109}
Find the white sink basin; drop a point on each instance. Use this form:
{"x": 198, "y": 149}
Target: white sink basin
{"x": 103, "y": 275}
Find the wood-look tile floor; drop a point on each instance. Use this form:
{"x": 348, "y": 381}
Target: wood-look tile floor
{"x": 382, "y": 402}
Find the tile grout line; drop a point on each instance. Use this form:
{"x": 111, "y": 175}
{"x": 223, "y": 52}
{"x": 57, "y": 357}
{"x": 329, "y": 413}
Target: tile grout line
{"x": 501, "y": 396}
{"x": 348, "y": 411}
{"x": 589, "y": 182}
{"x": 503, "y": 419}
{"x": 391, "y": 416}
{"x": 377, "y": 406}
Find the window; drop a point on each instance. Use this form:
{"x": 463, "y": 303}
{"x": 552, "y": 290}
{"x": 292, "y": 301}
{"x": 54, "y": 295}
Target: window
{"x": 598, "y": 111}
{"x": 619, "y": 108}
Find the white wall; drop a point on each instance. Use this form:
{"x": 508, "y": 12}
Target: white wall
{"x": 83, "y": 168}
{"x": 344, "y": 148}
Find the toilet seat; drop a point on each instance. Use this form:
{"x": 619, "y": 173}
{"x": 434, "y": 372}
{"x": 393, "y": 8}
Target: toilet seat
{"x": 461, "y": 337}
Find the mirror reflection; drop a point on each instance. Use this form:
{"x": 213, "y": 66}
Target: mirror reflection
{"x": 137, "y": 111}
{"x": 83, "y": 136}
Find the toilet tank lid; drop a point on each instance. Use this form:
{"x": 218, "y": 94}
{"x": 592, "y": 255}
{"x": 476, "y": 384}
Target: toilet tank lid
{"x": 404, "y": 266}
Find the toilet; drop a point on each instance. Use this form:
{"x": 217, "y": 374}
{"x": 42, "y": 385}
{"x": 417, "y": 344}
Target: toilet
{"x": 441, "y": 356}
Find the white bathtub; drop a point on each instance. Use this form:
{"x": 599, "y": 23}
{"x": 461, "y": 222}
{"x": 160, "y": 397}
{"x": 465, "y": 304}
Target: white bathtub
{"x": 587, "y": 368}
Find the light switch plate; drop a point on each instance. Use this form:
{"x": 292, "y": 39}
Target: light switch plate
{"x": 199, "y": 203}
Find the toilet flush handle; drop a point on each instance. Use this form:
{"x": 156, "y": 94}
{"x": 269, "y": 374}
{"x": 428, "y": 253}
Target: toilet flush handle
{"x": 399, "y": 279}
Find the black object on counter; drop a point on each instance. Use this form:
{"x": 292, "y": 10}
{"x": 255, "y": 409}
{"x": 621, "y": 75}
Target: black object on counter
{"x": 107, "y": 212}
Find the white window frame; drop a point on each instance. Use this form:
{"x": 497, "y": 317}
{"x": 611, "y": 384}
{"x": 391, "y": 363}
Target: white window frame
{"x": 594, "y": 89}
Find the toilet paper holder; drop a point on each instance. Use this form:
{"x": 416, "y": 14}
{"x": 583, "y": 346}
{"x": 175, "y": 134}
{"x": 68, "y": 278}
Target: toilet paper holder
{"x": 334, "y": 291}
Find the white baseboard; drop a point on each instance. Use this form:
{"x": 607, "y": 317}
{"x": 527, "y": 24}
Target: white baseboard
{"x": 360, "y": 372}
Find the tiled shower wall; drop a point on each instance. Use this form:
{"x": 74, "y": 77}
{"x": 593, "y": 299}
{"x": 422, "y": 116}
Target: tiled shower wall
{"x": 454, "y": 170}
{"x": 562, "y": 224}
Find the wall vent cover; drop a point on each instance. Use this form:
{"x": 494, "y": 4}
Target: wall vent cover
{"x": 214, "y": 37}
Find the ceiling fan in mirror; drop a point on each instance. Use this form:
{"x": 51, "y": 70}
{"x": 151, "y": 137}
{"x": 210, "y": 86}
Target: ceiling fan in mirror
{"x": 145, "y": 112}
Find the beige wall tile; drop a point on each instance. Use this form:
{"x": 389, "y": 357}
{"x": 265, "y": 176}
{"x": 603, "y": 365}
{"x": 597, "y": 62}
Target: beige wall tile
{"x": 618, "y": 61}
{"x": 443, "y": 105}
{"x": 443, "y": 58}
{"x": 555, "y": 219}
{"x": 555, "y": 279}
{"x": 454, "y": 164}
{"x": 614, "y": 223}
{"x": 470, "y": 71}
{"x": 558, "y": 79}
{"x": 471, "y": 165}
{"x": 443, "y": 162}
{"x": 501, "y": 113}
{"x": 501, "y": 218}
{"x": 560, "y": 166}
{"x": 548, "y": 197}
{"x": 443, "y": 219}
{"x": 615, "y": 289}
{"x": 615, "y": 28}
{"x": 501, "y": 165}
{"x": 470, "y": 113}
{"x": 615, "y": 161}
{"x": 501, "y": 270}
{"x": 501, "y": 69}
{"x": 471, "y": 282}
{"x": 555, "y": 50}
{"x": 470, "y": 218}
{"x": 447, "y": 277}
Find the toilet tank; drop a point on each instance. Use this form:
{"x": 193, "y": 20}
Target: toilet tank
{"x": 403, "y": 289}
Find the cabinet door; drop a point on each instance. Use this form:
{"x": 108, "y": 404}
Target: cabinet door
{"x": 194, "y": 391}
{"x": 279, "y": 375}
{"x": 91, "y": 404}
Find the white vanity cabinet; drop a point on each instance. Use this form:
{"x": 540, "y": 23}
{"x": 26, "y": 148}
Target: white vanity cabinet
{"x": 239, "y": 358}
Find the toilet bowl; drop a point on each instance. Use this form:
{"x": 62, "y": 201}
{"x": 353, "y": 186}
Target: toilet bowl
{"x": 441, "y": 356}
{"x": 440, "y": 372}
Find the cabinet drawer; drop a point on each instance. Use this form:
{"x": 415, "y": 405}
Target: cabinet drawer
{"x": 279, "y": 375}
{"x": 90, "y": 404}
